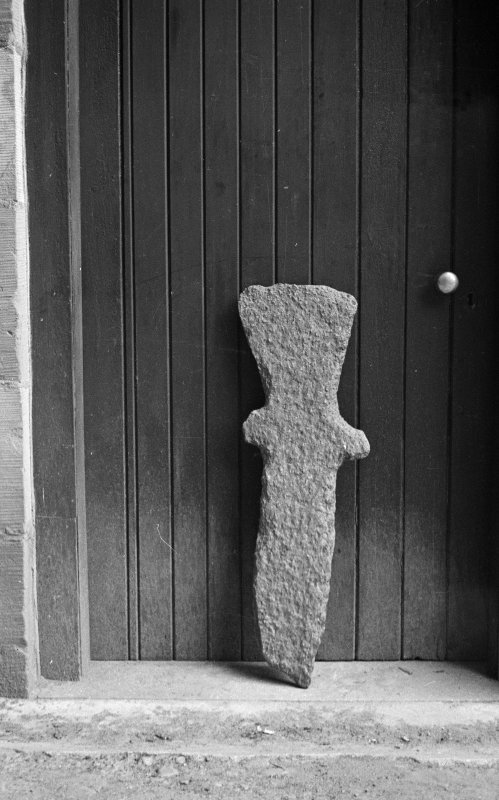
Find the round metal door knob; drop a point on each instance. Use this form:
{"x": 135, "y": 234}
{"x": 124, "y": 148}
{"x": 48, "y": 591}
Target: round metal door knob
{"x": 447, "y": 282}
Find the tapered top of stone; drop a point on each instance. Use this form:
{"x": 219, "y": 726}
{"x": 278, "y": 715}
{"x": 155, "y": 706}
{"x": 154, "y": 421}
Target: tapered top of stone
{"x": 306, "y": 328}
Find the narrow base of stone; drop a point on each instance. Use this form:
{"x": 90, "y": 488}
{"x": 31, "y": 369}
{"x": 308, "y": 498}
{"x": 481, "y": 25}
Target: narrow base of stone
{"x": 300, "y": 678}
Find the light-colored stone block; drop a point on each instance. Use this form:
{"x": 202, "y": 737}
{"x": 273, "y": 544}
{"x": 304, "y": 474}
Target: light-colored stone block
{"x": 299, "y": 336}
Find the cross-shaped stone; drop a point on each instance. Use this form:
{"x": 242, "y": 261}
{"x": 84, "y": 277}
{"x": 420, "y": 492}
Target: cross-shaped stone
{"x": 299, "y": 336}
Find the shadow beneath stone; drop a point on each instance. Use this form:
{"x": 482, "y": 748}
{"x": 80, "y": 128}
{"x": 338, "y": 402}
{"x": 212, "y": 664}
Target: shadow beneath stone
{"x": 258, "y": 672}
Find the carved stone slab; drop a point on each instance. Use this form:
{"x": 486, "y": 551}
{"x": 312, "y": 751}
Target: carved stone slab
{"x": 299, "y": 336}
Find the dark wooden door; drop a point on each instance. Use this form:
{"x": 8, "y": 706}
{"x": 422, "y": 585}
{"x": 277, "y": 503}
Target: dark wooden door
{"x": 228, "y": 143}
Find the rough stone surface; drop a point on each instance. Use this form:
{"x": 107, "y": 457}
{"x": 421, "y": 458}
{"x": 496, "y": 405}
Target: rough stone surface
{"x": 299, "y": 336}
{"x": 17, "y": 658}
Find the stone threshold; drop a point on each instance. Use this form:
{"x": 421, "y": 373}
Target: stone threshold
{"x": 332, "y": 683}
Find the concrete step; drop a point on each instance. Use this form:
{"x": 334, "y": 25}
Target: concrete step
{"x": 431, "y": 711}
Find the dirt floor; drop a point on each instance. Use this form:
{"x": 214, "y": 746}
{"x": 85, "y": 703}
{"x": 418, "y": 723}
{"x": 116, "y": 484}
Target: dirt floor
{"x": 117, "y": 776}
{"x": 154, "y": 751}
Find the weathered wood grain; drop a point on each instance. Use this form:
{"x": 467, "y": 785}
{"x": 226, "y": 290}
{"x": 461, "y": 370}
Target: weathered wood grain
{"x": 221, "y": 100}
{"x": 149, "y": 127}
{"x": 51, "y": 335}
{"x": 59, "y": 644}
{"x": 300, "y": 142}
{"x": 257, "y": 253}
{"x": 382, "y": 322}
{"x": 187, "y": 248}
{"x": 103, "y": 331}
{"x": 427, "y": 352}
{"x": 474, "y": 327}
{"x": 127, "y": 152}
{"x": 293, "y": 140}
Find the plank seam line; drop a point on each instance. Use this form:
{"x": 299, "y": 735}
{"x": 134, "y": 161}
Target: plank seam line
{"x": 202, "y": 116}
{"x": 358, "y": 321}
{"x": 450, "y": 365}
{"x": 404, "y": 373}
{"x": 166, "y": 111}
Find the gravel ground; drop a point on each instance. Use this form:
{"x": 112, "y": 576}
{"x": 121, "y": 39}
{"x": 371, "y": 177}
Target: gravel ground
{"x": 117, "y": 750}
{"x": 123, "y": 775}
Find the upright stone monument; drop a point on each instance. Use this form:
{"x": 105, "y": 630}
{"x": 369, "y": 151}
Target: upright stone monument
{"x": 299, "y": 336}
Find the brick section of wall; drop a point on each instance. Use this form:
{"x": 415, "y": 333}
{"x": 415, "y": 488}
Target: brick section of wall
{"x": 17, "y": 626}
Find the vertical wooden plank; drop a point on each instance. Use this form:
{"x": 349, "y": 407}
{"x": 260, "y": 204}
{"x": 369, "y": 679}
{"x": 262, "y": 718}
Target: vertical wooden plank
{"x": 221, "y": 98}
{"x": 335, "y": 257}
{"x": 475, "y": 258}
{"x": 57, "y": 599}
{"x": 150, "y": 211}
{"x": 293, "y": 141}
{"x": 74, "y": 170}
{"x": 101, "y": 231}
{"x": 50, "y": 291}
{"x": 382, "y": 295}
{"x": 427, "y": 352}
{"x": 129, "y": 324}
{"x": 186, "y": 22}
{"x": 257, "y": 262}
